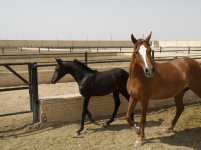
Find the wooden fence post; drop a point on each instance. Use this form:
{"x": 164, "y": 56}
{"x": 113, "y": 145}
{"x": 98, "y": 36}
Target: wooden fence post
{"x": 85, "y": 58}
{"x": 189, "y": 50}
{"x": 2, "y": 50}
{"x": 152, "y": 54}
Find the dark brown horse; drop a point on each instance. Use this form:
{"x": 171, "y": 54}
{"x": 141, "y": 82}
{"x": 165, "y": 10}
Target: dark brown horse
{"x": 151, "y": 80}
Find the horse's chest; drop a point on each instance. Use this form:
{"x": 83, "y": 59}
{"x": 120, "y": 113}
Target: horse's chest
{"x": 85, "y": 90}
{"x": 136, "y": 88}
{"x": 85, "y": 86}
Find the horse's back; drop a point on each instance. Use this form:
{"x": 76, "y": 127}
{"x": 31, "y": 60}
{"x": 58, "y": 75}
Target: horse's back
{"x": 189, "y": 61}
{"x": 121, "y": 76}
{"x": 121, "y": 73}
{"x": 115, "y": 73}
{"x": 190, "y": 67}
{"x": 184, "y": 66}
{"x": 108, "y": 81}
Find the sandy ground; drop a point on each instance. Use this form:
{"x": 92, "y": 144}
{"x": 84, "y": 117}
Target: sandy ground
{"x": 15, "y": 101}
{"x": 118, "y": 136}
{"x": 18, "y": 132}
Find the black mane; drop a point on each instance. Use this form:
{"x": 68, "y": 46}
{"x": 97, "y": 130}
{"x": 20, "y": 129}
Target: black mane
{"x": 84, "y": 66}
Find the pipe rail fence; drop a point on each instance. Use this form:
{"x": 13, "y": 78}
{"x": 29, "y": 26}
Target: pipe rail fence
{"x": 68, "y": 49}
{"x": 118, "y": 49}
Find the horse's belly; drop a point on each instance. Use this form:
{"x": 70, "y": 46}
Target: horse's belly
{"x": 160, "y": 97}
{"x": 165, "y": 93}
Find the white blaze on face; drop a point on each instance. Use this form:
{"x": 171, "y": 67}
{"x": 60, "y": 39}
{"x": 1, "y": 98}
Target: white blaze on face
{"x": 142, "y": 52}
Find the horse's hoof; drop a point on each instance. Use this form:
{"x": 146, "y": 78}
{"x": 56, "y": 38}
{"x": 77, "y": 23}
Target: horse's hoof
{"x": 105, "y": 125}
{"x": 139, "y": 142}
{"x": 92, "y": 121}
{"x": 136, "y": 129}
{"x": 168, "y": 130}
{"x": 76, "y": 134}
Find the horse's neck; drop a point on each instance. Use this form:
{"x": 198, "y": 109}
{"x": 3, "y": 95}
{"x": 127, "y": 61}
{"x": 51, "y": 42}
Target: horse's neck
{"x": 78, "y": 73}
{"x": 133, "y": 66}
{"x": 136, "y": 70}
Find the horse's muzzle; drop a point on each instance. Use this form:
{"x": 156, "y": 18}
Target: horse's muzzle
{"x": 149, "y": 72}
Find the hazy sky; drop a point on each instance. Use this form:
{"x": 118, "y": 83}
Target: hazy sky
{"x": 100, "y": 19}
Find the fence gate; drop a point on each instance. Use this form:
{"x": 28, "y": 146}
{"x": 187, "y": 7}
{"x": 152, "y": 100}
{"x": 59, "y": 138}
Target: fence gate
{"x": 31, "y": 84}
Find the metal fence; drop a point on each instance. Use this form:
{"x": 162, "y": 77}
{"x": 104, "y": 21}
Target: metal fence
{"x": 188, "y": 49}
{"x": 73, "y": 49}
{"x": 66, "y": 49}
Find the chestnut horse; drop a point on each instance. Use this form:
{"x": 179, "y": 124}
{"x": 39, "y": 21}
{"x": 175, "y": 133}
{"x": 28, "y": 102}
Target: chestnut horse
{"x": 151, "y": 80}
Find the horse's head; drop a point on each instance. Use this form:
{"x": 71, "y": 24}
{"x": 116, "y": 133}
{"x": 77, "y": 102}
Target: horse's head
{"x": 59, "y": 71}
{"x": 142, "y": 52}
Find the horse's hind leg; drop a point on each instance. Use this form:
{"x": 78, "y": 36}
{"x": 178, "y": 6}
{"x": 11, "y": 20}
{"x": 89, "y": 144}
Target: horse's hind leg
{"x": 195, "y": 83}
{"x": 197, "y": 90}
{"x": 179, "y": 109}
{"x": 117, "y": 104}
{"x": 90, "y": 116}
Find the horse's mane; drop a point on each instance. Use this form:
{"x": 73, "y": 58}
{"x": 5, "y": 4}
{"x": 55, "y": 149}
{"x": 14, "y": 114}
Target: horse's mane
{"x": 84, "y": 66}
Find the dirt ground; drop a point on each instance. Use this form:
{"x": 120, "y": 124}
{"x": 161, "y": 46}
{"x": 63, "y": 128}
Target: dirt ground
{"x": 18, "y": 132}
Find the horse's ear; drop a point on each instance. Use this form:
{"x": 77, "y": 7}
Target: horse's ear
{"x": 148, "y": 37}
{"x": 59, "y": 61}
{"x": 133, "y": 39}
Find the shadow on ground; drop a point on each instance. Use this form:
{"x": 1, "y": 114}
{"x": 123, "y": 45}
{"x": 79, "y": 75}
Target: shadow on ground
{"x": 190, "y": 138}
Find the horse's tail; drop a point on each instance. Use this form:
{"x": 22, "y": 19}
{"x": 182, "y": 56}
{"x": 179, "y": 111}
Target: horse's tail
{"x": 123, "y": 80}
{"x": 123, "y": 77}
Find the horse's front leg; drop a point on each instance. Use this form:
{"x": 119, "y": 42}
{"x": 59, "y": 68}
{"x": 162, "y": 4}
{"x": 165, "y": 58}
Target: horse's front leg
{"x": 131, "y": 106}
{"x": 84, "y": 111}
{"x": 144, "y": 108}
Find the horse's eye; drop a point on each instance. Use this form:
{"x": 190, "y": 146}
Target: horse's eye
{"x": 137, "y": 53}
